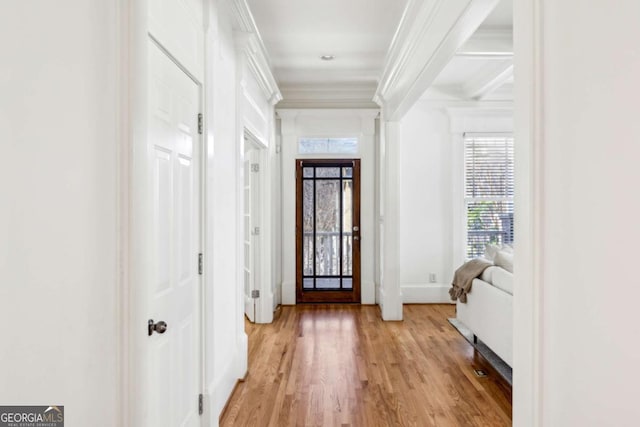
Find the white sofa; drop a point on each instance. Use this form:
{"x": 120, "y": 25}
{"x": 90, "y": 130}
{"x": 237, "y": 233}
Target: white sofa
{"x": 488, "y": 312}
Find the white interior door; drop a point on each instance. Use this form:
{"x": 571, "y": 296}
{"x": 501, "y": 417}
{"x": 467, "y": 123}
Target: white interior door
{"x": 251, "y": 230}
{"x": 174, "y": 364}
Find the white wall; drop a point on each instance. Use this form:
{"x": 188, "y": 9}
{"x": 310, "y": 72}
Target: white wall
{"x": 432, "y": 218}
{"x": 425, "y": 204}
{"x": 226, "y": 341}
{"x": 327, "y": 123}
{"x": 58, "y": 212}
{"x": 582, "y": 136}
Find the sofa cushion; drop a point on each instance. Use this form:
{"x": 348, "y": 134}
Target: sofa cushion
{"x": 490, "y": 251}
{"x": 505, "y": 260}
{"x": 502, "y": 279}
{"x": 498, "y": 277}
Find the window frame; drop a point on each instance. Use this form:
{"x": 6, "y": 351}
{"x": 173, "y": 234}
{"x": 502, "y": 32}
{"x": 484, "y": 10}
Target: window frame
{"x": 466, "y": 200}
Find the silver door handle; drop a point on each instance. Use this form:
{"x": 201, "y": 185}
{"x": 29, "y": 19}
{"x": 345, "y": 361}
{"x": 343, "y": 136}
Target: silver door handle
{"x": 356, "y": 238}
{"x": 159, "y": 327}
{"x": 356, "y": 228}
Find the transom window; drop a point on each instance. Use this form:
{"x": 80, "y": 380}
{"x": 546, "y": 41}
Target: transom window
{"x": 489, "y": 189}
{"x": 328, "y": 145}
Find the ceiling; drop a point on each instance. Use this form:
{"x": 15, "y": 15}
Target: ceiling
{"x": 358, "y": 33}
{"x": 296, "y": 33}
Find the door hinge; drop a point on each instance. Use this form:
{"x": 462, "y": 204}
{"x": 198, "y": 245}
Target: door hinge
{"x": 200, "y": 404}
{"x": 200, "y": 264}
{"x": 255, "y": 167}
{"x": 200, "y": 123}
{"x": 255, "y": 293}
{"x": 256, "y": 231}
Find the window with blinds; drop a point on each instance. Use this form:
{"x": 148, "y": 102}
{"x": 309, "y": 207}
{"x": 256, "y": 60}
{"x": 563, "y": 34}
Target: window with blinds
{"x": 488, "y": 190}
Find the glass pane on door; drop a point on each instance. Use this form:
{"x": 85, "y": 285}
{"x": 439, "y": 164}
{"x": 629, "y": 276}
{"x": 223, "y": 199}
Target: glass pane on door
{"x": 308, "y": 213}
{"x": 327, "y": 227}
{"x": 347, "y": 227}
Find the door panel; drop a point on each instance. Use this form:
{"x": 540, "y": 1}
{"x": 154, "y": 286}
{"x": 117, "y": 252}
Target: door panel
{"x": 252, "y": 220}
{"x": 327, "y": 230}
{"x": 249, "y": 219}
{"x": 174, "y": 297}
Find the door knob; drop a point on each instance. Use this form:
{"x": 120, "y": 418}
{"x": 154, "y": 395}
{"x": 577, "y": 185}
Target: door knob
{"x": 356, "y": 228}
{"x": 356, "y": 238}
{"x": 159, "y": 327}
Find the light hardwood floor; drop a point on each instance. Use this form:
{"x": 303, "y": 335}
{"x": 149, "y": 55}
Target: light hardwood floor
{"x": 341, "y": 365}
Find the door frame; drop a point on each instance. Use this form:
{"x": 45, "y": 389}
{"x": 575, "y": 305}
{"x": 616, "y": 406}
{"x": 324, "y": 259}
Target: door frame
{"x": 336, "y": 296}
{"x": 262, "y": 282}
{"x": 134, "y": 203}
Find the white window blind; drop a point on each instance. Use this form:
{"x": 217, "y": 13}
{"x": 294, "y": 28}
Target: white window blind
{"x": 488, "y": 192}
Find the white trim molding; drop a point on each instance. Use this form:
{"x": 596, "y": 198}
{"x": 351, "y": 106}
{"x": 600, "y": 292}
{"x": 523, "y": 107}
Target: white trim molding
{"x": 426, "y": 293}
{"x": 429, "y": 35}
{"x": 249, "y": 41}
{"x": 529, "y": 223}
{"x": 328, "y": 96}
{"x": 242, "y": 17}
{"x": 390, "y": 291}
{"x": 489, "y": 43}
{"x": 124, "y": 151}
{"x": 250, "y": 45}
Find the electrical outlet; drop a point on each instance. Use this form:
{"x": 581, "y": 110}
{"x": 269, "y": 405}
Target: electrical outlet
{"x": 432, "y": 278}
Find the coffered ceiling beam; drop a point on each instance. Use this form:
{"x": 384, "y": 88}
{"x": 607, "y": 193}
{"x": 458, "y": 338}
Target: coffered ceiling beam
{"x": 487, "y": 84}
{"x": 488, "y": 43}
{"x": 429, "y": 35}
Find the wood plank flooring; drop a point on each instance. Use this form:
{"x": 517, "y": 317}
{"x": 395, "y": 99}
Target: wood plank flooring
{"x": 341, "y": 365}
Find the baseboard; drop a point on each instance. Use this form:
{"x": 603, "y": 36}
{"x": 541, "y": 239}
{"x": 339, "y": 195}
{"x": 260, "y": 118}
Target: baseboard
{"x": 226, "y": 405}
{"x": 265, "y": 313}
{"x": 426, "y": 293}
{"x": 288, "y": 293}
{"x": 368, "y": 293}
{"x": 220, "y": 390}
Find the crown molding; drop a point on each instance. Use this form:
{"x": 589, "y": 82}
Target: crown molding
{"x": 328, "y": 96}
{"x": 294, "y": 113}
{"x": 429, "y": 35}
{"x": 249, "y": 42}
{"x": 242, "y": 17}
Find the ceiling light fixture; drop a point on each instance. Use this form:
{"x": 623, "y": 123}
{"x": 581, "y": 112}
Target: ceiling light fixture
{"x": 327, "y": 57}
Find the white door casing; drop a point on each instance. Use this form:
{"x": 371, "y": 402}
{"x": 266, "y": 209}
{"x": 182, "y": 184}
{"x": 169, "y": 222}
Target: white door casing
{"x": 174, "y": 289}
{"x": 251, "y": 218}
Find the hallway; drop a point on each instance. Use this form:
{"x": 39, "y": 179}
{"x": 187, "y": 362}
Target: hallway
{"x": 341, "y": 365}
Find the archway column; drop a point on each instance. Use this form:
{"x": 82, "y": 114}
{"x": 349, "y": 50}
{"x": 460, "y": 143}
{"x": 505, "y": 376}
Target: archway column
{"x": 390, "y": 292}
